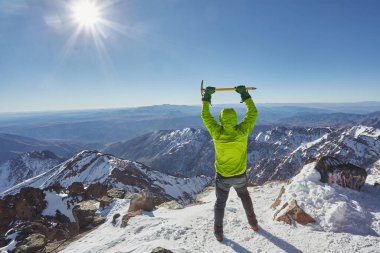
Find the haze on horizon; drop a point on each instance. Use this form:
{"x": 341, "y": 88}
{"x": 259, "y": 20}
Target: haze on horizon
{"x": 134, "y": 53}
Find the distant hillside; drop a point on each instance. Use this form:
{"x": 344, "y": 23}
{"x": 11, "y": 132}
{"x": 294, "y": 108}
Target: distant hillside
{"x": 111, "y": 125}
{"x": 331, "y": 120}
{"x": 13, "y": 145}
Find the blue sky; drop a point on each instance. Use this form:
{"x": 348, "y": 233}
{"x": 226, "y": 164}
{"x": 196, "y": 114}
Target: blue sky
{"x": 291, "y": 50}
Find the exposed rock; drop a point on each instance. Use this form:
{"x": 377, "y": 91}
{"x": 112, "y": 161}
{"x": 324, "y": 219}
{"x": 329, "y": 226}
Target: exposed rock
{"x": 295, "y": 213}
{"x": 105, "y": 201}
{"x": 24, "y": 210}
{"x": 84, "y": 213}
{"x": 98, "y": 220}
{"x": 161, "y": 250}
{"x": 28, "y": 228}
{"x": 114, "y": 218}
{"x": 376, "y": 184}
{"x": 57, "y": 187}
{"x": 334, "y": 171}
{"x": 171, "y": 205}
{"x": 96, "y": 191}
{"x": 29, "y": 203}
{"x": 7, "y": 213}
{"x": 58, "y": 235}
{"x": 116, "y": 193}
{"x": 35, "y": 196}
{"x": 76, "y": 188}
{"x": 128, "y": 216}
{"x": 278, "y": 199}
{"x": 31, "y": 244}
{"x": 142, "y": 201}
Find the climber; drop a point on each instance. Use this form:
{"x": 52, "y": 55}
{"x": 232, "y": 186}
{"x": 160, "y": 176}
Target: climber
{"x": 230, "y": 143}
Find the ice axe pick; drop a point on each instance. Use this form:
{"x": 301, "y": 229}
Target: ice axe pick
{"x": 224, "y": 89}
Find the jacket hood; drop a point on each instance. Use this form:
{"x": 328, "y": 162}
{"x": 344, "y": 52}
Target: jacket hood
{"x": 228, "y": 117}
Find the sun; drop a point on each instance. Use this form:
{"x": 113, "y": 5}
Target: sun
{"x": 86, "y": 13}
{"x": 90, "y": 20}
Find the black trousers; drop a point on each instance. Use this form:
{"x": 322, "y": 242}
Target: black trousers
{"x": 222, "y": 190}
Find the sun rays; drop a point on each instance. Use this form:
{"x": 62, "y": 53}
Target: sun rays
{"x": 89, "y": 18}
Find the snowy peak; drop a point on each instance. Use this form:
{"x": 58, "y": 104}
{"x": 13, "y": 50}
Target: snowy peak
{"x": 187, "y": 152}
{"x": 25, "y": 166}
{"x": 89, "y": 167}
{"x": 358, "y": 145}
{"x": 290, "y": 137}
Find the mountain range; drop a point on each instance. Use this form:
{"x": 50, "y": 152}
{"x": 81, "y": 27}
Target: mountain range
{"x": 273, "y": 154}
{"x": 88, "y": 167}
{"x": 94, "y": 127}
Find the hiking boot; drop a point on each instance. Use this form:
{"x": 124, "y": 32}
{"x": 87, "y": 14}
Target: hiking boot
{"x": 218, "y": 236}
{"x": 255, "y": 227}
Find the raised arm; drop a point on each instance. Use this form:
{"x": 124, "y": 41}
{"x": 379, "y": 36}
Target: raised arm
{"x": 250, "y": 117}
{"x": 207, "y": 118}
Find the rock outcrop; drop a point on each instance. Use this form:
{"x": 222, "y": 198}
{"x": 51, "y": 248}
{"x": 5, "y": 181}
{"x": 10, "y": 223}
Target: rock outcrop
{"x": 142, "y": 201}
{"x": 76, "y": 188}
{"x": 161, "y": 250}
{"x": 294, "y": 213}
{"x": 333, "y": 171}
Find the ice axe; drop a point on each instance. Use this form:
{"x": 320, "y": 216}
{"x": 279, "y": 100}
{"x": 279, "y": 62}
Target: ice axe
{"x": 224, "y": 89}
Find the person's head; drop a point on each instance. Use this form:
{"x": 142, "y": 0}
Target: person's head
{"x": 228, "y": 117}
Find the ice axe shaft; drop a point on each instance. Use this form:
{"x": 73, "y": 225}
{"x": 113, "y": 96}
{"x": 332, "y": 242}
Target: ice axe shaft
{"x": 229, "y": 89}
{"x": 225, "y": 89}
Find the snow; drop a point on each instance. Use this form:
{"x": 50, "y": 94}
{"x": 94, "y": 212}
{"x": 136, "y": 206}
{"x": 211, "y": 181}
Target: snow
{"x": 90, "y": 167}
{"x": 57, "y": 202}
{"x": 21, "y": 168}
{"x": 11, "y": 245}
{"x": 335, "y": 208}
{"x": 191, "y": 229}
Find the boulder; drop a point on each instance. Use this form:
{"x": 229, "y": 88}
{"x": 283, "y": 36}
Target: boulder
{"x": 278, "y": 199}
{"x": 334, "y": 171}
{"x": 96, "y": 191}
{"x": 56, "y": 187}
{"x": 28, "y": 228}
{"x": 294, "y": 212}
{"x": 105, "y": 201}
{"x": 98, "y": 220}
{"x": 128, "y": 216}
{"x": 171, "y": 205}
{"x": 29, "y": 203}
{"x": 142, "y": 201}
{"x": 116, "y": 193}
{"x": 161, "y": 250}
{"x": 35, "y": 196}
{"x": 76, "y": 188}
{"x": 7, "y": 213}
{"x": 24, "y": 210}
{"x": 31, "y": 244}
{"x": 114, "y": 218}
{"x": 84, "y": 213}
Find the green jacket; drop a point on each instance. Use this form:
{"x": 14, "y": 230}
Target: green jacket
{"x": 230, "y": 139}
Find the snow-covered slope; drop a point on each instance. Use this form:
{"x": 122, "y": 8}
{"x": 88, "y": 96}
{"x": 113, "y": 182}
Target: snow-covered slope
{"x": 26, "y": 166}
{"x": 90, "y": 167}
{"x": 191, "y": 229}
{"x": 335, "y": 208}
{"x": 186, "y": 152}
{"x": 359, "y": 145}
{"x": 190, "y": 152}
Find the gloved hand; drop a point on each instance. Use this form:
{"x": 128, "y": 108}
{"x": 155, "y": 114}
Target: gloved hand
{"x": 243, "y": 92}
{"x": 207, "y": 94}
